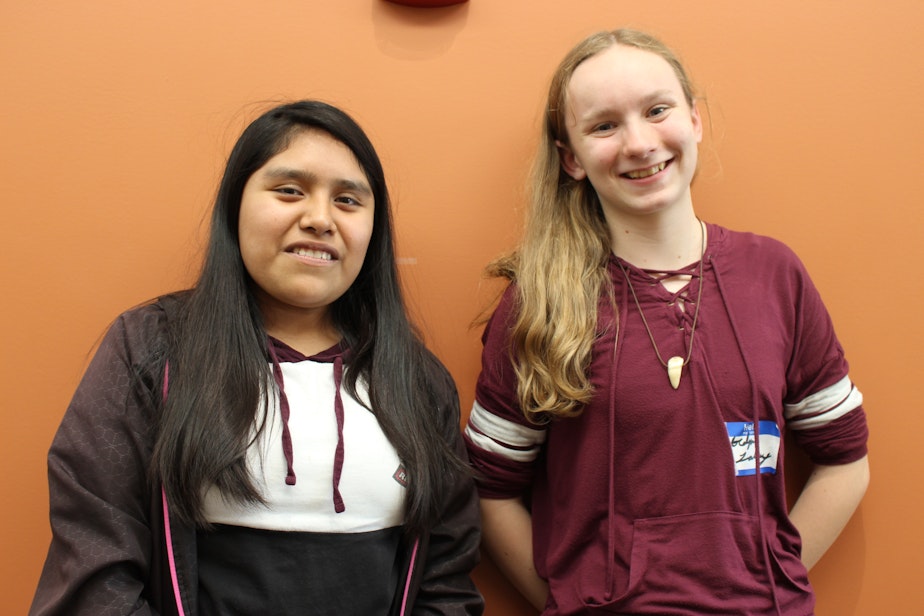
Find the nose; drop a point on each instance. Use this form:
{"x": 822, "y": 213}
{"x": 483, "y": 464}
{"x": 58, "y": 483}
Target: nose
{"x": 639, "y": 139}
{"x": 316, "y": 216}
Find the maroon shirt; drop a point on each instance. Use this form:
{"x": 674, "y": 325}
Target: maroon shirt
{"x": 650, "y": 502}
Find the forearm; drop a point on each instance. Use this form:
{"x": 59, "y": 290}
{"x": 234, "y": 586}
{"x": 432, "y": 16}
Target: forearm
{"x": 826, "y": 504}
{"x": 507, "y": 537}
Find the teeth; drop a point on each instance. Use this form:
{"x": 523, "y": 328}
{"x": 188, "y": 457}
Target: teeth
{"x": 644, "y": 173}
{"x": 314, "y": 254}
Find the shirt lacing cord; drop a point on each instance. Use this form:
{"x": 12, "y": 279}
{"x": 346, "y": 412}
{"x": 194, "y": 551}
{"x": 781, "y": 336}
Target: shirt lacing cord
{"x": 685, "y": 294}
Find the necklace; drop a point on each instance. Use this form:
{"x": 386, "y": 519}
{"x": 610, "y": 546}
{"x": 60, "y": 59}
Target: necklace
{"x": 676, "y": 363}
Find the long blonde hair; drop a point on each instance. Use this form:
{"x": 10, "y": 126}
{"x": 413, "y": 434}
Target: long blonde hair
{"x": 560, "y": 267}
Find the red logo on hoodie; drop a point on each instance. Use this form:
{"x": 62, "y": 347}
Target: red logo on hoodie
{"x": 400, "y": 476}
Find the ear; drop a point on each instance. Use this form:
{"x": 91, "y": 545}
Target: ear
{"x": 697, "y": 122}
{"x": 569, "y": 161}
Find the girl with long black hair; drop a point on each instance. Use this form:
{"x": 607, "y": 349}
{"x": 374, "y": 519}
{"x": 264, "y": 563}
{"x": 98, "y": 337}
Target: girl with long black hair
{"x": 277, "y": 439}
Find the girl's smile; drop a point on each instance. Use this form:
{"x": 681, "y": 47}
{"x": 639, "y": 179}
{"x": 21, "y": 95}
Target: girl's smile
{"x": 631, "y": 133}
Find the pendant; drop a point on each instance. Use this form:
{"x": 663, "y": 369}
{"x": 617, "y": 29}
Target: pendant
{"x": 674, "y": 369}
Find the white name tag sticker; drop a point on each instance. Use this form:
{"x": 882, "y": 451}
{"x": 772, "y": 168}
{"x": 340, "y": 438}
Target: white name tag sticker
{"x": 744, "y": 451}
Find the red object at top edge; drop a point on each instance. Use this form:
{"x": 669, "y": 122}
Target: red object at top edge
{"x": 427, "y": 3}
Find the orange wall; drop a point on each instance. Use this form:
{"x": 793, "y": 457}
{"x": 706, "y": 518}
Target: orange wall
{"x": 115, "y": 117}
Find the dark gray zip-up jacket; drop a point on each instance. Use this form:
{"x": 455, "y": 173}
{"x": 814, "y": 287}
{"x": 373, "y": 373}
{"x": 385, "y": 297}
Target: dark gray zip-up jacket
{"x": 115, "y": 549}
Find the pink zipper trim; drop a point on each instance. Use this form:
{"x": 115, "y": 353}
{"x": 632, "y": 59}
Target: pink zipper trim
{"x": 168, "y": 537}
{"x": 410, "y": 573}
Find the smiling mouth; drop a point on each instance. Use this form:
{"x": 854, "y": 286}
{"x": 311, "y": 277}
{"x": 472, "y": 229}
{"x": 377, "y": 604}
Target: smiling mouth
{"x": 314, "y": 254}
{"x": 644, "y": 173}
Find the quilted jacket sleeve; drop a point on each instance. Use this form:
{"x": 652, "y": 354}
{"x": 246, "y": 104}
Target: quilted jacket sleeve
{"x": 451, "y": 551}
{"x": 100, "y": 550}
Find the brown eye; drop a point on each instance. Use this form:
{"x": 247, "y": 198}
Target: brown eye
{"x": 288, "y": 190}
{"x": 347, "y": 200}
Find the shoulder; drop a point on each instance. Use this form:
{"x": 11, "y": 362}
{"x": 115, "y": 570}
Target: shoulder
{"x": 496, "y": 337}
{"x": 505, "y": 313}
{"x": 752, "y": 254}
{"x": 141, "y": 334}
{"x": 123, "y": 380}
{"x": 746, "y": 243}
{"x": 152, "y": 316}
{"x": 761, "y": 274}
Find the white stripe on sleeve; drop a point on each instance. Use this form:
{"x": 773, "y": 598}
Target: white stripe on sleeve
{"x": 824, "y": 406}
{"x": 503, "y": 437}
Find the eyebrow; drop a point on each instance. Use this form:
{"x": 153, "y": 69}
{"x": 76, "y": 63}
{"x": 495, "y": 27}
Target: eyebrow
{"x": 306, "y": 177}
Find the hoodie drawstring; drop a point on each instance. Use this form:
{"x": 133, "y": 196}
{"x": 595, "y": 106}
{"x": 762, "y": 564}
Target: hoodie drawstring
{"x": 757, "y": 458}
{"x": 284, "y": 412}
{"x": 611, "y": 509}
{"x": 339, "y": 507}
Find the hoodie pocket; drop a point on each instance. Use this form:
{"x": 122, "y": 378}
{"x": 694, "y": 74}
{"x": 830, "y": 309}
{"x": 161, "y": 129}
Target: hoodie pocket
{"x": 687, "y": 564}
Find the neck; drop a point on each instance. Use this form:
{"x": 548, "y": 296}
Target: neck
{"x": 658, "y": 242}
{"x": 306, "y": 331}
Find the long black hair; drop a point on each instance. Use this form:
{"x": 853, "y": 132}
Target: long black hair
{"x": 218, "y": 348}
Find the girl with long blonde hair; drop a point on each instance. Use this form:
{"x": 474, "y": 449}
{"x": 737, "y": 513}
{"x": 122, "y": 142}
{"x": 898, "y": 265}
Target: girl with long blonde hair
{"x": 643, "y": 368}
